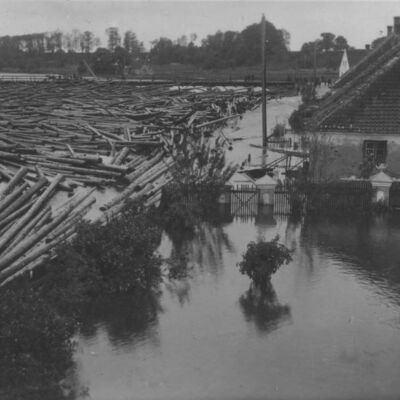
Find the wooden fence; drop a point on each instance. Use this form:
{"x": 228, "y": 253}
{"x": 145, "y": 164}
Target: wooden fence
{"x": 342, "y": 197}
{"x": 394, "y": 195}
{"x": 282, "y": 199}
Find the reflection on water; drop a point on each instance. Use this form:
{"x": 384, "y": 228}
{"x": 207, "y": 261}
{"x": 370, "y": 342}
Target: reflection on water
{"x": 263, "y": 309}
{"x": 205, "y": 248}
{"x": 328, "y": 327}
{"x": 124, "y": 319}
{"x": 368, "y": 249}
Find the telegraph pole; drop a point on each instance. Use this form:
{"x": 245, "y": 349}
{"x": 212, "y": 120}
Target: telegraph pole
{"x": 315, "y": 62}
{"x": 264, "y": 82}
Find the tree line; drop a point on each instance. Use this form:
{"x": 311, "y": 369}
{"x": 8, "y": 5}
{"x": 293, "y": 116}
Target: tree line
{"x": 222, "y": 49}
{"x": 123, "y": 52}
{"x": 54, "y": 50}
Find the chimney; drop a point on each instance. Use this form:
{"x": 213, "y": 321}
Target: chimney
{"x": 367, "y": 47}
{"x": 396, "y": 25}
{"x": 389, "y": 30}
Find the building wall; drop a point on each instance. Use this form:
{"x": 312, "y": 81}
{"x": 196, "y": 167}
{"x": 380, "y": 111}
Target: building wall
{"x": 341, "y": 154}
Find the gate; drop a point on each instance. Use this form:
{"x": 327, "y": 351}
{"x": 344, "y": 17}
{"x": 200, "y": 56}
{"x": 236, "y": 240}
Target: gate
{"x": 282, "y": 202}
{"x": 244, "y": 201}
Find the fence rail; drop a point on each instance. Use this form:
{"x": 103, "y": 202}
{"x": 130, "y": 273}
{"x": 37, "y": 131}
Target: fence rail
{"x": 343, "y": 197}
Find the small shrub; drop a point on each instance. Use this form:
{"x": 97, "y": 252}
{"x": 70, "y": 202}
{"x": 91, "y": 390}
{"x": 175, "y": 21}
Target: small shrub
{"x": 263, "y": 259}
{"x": 35, "y": 345}
{"x": 120, "y": 256}
{"x": 279, "y": 130}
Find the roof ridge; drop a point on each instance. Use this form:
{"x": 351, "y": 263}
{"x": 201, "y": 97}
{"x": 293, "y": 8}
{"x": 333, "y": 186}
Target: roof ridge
{"x": 362, "y": 89}
{"x": 381, "y": 49}
{"x": 372, "y": 72}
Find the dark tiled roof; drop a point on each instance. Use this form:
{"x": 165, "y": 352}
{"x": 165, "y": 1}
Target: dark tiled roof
{"x": 355, "y": 56}
{"x": 359, "y": 83}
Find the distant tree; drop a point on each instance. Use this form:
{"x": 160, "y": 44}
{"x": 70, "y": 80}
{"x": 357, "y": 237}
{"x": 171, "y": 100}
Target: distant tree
{"x": 114, "y": 39}
{"x": 76, "y": 40}
{"x": 249, "y": 53}
{"x": 327, "y": 42}
{"x": 87, "y": 42}
{"x": 162, "y": 51}
{"x": 103, "y": 61}
{"x": 307, "y": 52}
{"x": 96, "y": 42}
{"x": 120, "y": 57}
{"x": 182, "y": 41}
{"x": 67, "y": 42}
{"x": 193, "y": 37}
{"x": 54, "y": 41}
{"x": 341, "y": 43}
{"x": 132, "y": 45}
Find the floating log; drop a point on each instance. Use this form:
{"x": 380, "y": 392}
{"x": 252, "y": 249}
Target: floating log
{"x": 30, "y": 214}
{"x": 14, "y": 181}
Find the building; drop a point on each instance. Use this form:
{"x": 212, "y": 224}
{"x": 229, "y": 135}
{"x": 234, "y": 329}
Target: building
{"x": 350, "y": 58}
{"x": 359, "y": 121}
{"x": 344, "y": 64}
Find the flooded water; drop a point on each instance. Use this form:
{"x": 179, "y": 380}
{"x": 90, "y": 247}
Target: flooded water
{"x": 329, "y": 327}
{"x": 247, "y": 132}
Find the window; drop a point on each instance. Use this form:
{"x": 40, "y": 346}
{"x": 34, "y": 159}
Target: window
{"x": 375, "y": 150}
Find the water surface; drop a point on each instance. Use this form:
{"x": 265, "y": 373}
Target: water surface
{"x": 329, "y": 328}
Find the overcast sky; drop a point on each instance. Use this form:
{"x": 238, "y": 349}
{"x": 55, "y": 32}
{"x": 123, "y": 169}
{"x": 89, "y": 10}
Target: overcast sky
{"x": 359, "y": 22}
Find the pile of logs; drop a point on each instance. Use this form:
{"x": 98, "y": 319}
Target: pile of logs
{"x": 60, "y": 136}
{"x": 29, "y": 227}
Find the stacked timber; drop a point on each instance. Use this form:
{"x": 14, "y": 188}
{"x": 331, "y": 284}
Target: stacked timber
{"x": 96, "y": 133}
{"x": 29, "y": 225}
{"x": 61, "y": 136}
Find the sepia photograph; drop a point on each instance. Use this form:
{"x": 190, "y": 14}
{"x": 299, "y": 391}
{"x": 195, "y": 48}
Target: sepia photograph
{"x": 199, "y": 200}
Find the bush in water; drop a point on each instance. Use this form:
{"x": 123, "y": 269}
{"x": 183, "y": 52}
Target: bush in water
{"x": 37, "y": 322}
{"x": 263, "y": 259}
{"x": 35, "y": 345}
{"x": 117, "y": 257}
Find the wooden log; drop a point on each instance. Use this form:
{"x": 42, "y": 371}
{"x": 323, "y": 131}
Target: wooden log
{"x": 104, "y": 135}
{"x": 18, "y": 177}
{"x": 27, "y": 269}
{"x": 121, "y": 156}
{"x": 37, "y": 222}
{"x": 10, "y": 156}
{"x": 30, "y": 214}
{"x": 29, "y": 242}
{"x": 70, "y": 150}
{"x": 116, "y": 208}
{"x": 14, "y": 215}
{"x": 24, "y": 197}
{"x": 6, "y": 201}
{"x": 72, "y": 219}
{"x": 85, "y": 171}
{"x": 5, "y": 173}
{"x": 144, "y": 167}
{"x": 30, "y": 257}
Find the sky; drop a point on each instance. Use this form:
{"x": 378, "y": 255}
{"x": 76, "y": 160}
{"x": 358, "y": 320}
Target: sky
{"x": 359, "y": 21}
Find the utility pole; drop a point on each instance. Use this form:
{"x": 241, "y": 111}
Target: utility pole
{"x": 264, "y": 82}
{"x": 315, "y": 62}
